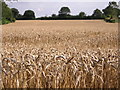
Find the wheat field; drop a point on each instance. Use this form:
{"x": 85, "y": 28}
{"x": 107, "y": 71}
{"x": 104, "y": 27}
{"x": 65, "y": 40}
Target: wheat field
{"x": 60, "y": 54}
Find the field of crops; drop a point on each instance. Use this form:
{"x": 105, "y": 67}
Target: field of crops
{"x": 60, "y": 54}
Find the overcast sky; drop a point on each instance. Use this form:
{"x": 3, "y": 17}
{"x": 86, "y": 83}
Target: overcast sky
{"x": 45, "y": 8}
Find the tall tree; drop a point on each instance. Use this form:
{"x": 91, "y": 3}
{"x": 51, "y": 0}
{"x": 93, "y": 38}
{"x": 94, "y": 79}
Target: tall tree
{"x": 113, "y": 4}
{"x": 19, "y": 17}
{"x": 29, "y": 15}
{"x": 54, "y": 15}
{"x": 82, "y": 15}
{"x": 15, "y": 12}
{"x": 7, "y": 16}
{"x": 0, "y": 11}
{"x": 112, "y": 10}
{"x": 97, "y": 14}
{"x": 64, "y": 11}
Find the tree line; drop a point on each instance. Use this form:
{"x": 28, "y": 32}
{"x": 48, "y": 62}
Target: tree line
{"x": 12, "y": 14}
{"x": 109, "y": 14}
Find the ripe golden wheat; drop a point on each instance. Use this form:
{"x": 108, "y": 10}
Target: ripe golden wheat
{"x": 81, "y": 54}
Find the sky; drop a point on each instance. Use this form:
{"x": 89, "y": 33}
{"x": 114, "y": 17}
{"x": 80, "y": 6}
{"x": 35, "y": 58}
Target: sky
{"x": 49, "y": 7}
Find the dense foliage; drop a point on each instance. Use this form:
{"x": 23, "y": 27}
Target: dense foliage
{"x": 112, "y": 12}
{"x": 29, "y": 15}
{"x": 7, "y": 15}
{"x": 64, "y": 12}
{"x": 109, "y": 14}
{"x": 15, "y": 12}
{"x": 82, "y": 15}
{"x": 97, "y": 14}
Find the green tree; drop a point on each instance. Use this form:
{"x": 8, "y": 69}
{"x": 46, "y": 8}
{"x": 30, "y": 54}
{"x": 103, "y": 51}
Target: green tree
{"x": 82, "y": 15}
{"x": 19, "y": 17}
{"x": 113, "y": 4}
{"x": 0, "y": 11}
{"x": 64, "y": 11}
{"x": 29, "y": 15}
{"x": 97, "y": 14}
{"x": 54, "y": 15}
{"x": 7, "y": 16}
{"x": 112, "y": 10}
{"x": 15, "y": 12}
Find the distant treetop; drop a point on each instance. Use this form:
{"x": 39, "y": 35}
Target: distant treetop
{"x": 29, "y": 14}
{"x": 65, "y": 11}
